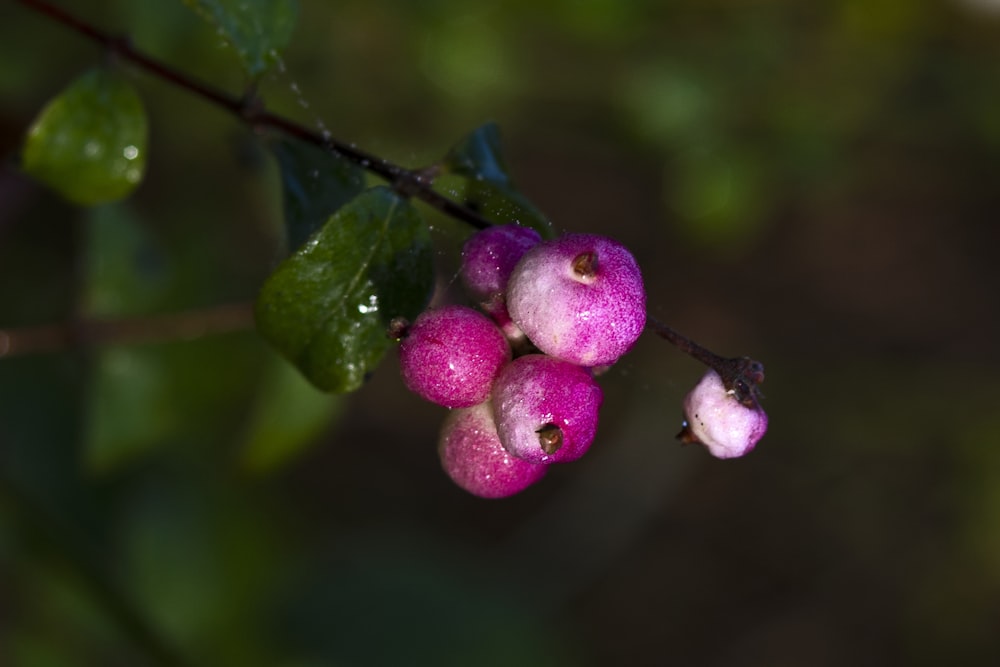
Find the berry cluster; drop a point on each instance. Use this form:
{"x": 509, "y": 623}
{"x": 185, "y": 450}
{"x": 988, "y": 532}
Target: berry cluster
{"x": 519, "y": 372}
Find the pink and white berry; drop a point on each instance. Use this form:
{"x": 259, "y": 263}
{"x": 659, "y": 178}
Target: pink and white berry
{"x": 451, "y": 355}
{"x": 546, "y": 409}
{"x": 473, "y": 457}
{"x": 489, "y": 256}
{"x": 579, "y": 298}
{"x": 716, "y": 418}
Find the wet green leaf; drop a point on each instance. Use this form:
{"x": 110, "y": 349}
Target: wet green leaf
{"x": 477, "y": 158}
{"x": 327, "y": 306}
{"x": 289, "y": 416}
{"x": 89, "y": 143}
{"x": 257, "y": 29}
{"x": 315, "y": 183}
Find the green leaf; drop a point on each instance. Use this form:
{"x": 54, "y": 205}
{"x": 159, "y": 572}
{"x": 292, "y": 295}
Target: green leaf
{"x": 127, "y": 400}
{"x": 290, "y": 415}
{"x": 129, "y": 407}
{"x": 257, "y": 29}
{"x": 489, "y": 189}
{"x": 315, "y": 183}
{"x": 165, "y": 397}
{"x": 89, "y": 143}
{"x": 125, "y": 268}
{"x": 327, "y": 306}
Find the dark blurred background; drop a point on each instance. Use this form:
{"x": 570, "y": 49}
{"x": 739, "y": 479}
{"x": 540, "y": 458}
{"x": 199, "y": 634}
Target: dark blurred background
{"x": 811, "y": 184}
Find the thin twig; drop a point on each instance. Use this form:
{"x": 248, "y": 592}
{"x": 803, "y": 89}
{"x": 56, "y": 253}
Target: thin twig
{"x": 148, "y": 329}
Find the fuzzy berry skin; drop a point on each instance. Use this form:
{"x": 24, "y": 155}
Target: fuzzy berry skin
{"x": 579, "y": 298}
{"x": 473, "y": 457}
{"x": 489, "y": 256}
{"x": 546, "y": 409}
{"x": 716, "y": 418}
{"x": 451, "y": 355}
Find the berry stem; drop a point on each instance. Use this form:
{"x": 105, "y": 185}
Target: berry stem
{"x": 250, "y": 109}
{"x": 740, "y": 375}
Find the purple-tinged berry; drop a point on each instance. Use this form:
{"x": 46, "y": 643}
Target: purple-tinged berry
{"x": 727, "y": 424}
{"x": 579, "y": 298}
{"x": 451, "y": 355}
{"x": 489, "y": 256}
{"x": 546, "y": 409}
{"x": 473, "y": 457}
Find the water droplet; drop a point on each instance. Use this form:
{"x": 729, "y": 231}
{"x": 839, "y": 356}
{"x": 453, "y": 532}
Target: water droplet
{"x": 130, "y": 152}
{"x": 371, "y": 306}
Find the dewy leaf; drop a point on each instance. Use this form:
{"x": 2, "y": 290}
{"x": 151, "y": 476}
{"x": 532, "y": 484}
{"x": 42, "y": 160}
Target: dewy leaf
{"x": 315, "y": 183}
{"x": 477, "y": 158}
{"x": 257, "y": 29}
{"x": 327, "y": 306}
{"x": 89, "y": 143}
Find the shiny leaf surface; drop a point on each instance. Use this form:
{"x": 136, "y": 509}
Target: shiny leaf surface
{"x": 315, "y": 183}
{"x": 327, "y": 306}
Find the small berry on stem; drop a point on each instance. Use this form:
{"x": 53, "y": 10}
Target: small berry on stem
{"x": 472, "y": 456}
{"x": 579, "y": 298}
{"x": 723, "y": 411}
{"x": 451, "y": 355}
{"x": 719, "y": 419}
{"x": 546, "y": 409}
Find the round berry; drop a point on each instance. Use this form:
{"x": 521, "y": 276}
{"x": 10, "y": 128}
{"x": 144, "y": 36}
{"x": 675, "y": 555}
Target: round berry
{"x": 546, "y": 409}
{"x": 489, "y": 256}
{"x": 579, "y": 298}
{"x": 451, "y": 355}
{"x": 717, "y": 418}
{"x": 473, "y": 457}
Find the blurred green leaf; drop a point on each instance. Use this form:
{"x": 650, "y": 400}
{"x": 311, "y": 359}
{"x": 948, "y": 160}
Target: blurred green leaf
{"x": 720, "y": 196}
{"x": 326, "y": 307}
{"x": 477, "y": 158}
{"x": 202, "y": 560}
{"x": 125, "y": 271}
{"x": 128, "y": 404}
{"x": 315, "y": 183}
{"x": 257, "y": 29}
{"x": 289, "y": 416}
{"x": 89, "y": 143}
{"x": 143, "y": 398}
{"x": 129, "y": 407}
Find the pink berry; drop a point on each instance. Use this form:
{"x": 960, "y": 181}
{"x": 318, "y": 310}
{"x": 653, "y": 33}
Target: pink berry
{"x": 451, "y": 355}
{"x": 579, "y": 298}
{"x": 489, "y": 256}
{"x": 473, "y": 457}
{"x": 546, "y": 409}
{"x": 716, "y": 418}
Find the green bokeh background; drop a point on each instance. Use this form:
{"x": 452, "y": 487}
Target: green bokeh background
{"x": 812, "y": 184}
